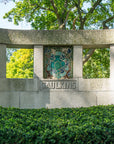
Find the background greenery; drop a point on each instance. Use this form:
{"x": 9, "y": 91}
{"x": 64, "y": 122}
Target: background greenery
{"x": 98, "y": 66}
{"x": 20, "y": 64}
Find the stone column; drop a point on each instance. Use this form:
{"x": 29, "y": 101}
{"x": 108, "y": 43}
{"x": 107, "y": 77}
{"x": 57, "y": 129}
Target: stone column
{"x": 77, "y": 62}
{"x": 112, "y": 62}
{"x": 38, "y": 62}
{"x": 2, "y": 61}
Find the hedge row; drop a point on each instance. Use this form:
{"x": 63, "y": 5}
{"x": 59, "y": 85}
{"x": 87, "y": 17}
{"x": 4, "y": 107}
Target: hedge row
{"x": 93, "y": 125}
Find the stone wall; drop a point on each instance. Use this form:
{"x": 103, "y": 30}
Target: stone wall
{"x": 39, "y": 92}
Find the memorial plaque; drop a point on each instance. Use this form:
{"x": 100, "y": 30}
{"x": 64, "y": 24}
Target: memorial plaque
{"x": 58, "y": 84}
{"x": 58, "y": 62}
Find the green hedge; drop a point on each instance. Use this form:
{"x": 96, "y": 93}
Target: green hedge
{"x": 93, "y": 125}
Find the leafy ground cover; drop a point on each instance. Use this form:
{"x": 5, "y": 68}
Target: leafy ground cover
{"x": 92, "y": 125}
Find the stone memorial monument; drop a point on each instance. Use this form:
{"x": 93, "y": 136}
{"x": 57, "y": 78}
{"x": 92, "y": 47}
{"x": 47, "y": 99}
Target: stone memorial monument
{"x": 58, "y": 68}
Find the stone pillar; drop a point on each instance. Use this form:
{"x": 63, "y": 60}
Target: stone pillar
{"x": 77, "y": 62}
{"x": 38, "y": 62}
{"x": 2, "y": 61}
{"x": 112, "y": 62}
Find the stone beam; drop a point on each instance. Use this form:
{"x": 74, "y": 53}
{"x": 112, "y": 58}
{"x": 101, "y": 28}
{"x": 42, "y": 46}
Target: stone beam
{"x": 29, "y": 38}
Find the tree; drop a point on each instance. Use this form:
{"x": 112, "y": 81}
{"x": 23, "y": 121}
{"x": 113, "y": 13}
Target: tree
{"x": 98, "y": 65}
{"x": 65, "y": 14}
{"x": 20, "y": 64}
{"x": 9, "y": 52}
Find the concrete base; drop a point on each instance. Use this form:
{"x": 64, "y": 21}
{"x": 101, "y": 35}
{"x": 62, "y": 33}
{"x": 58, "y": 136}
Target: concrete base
{"x": 28, "y": 93}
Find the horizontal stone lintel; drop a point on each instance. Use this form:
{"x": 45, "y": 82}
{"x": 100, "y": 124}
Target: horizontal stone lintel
{"x": 26, "y": 46}
{"x": 79, "y": 85}
{"x": 29, "y": 38}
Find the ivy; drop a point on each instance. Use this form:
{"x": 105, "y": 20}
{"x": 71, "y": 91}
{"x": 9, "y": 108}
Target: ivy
{"x": 67, "y": 125}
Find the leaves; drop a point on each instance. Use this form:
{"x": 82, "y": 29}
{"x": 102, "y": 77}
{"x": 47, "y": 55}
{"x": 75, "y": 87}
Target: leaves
{"x": 20, "y": 64}
{"x": 98, "y": 66}
{"x": 51, "y": 14}
{"x": 64, "y": 126}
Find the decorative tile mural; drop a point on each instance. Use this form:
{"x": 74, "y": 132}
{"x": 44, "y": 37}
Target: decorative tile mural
{"x": 58, "y": 62}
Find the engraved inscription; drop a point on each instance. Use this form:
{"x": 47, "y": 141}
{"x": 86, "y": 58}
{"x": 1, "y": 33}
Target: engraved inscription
{"x": 58, "y": 84}
{"x": 96, "y": 85}
{"x": 19, "y": 84}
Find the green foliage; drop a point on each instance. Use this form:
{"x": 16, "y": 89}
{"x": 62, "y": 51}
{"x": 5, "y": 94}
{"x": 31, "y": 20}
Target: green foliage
{"x": 9, "y": 52}
{"x": 98, "y": 66}
{"x": 20, "y": 64}
{"x": 43, "y": 14}
{"x": 93, "y": 125}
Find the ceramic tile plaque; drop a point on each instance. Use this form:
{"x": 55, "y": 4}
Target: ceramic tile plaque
{"x": 58, "y": 62}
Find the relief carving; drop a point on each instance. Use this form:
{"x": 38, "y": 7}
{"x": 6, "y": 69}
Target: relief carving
{"x": 58, "y": 84}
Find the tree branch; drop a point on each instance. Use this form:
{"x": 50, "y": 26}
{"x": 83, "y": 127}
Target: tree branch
{"x": 92, "y": 9}
{"x": 56, "y": 12}
{"x": 67, "y": 15}
{"x": 54, "y": 6}
{"x": 47, "y": 9}
{"x": 106, "y": 21}
{"x": 89, "y": 54}
{"x": 65, "y": 6}
{"x": 80, "y": 16}
{"x": 63, "y": 25}
{"x": 74, "y": 22}
{"x": 104, "y": 8}
{"x": 43, "y": 8}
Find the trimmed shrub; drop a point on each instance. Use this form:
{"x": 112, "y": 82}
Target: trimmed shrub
{"x": 92, "y": 125}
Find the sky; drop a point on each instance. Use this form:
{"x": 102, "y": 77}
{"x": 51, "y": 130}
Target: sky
{"x": 4, "y": 22}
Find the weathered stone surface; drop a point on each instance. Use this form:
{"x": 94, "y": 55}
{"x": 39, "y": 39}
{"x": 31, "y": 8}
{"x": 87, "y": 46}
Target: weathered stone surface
{"x": 55, "y": 99}
{"x": 42, "y": 99}
{"x": 32, "y": 85}
{"x": 14, "y": 99}
{"x": 4, "y": 99}
{"x": 28, "y": 38}
{"x": 112, "y": 62}
{"x": 106, "y": 98}
{"x": 27, "y": 99}
{"x": 72, "y": 99}
{"x": 2, "y": 61}
{"x": 38, "y": 62}
{"x": 4, "y": 85}
{"x": 96, "y": 85}
{"x": 77, "y": 62}
{"x": 34, "y": 99}
{"x": 19, "y": 85}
